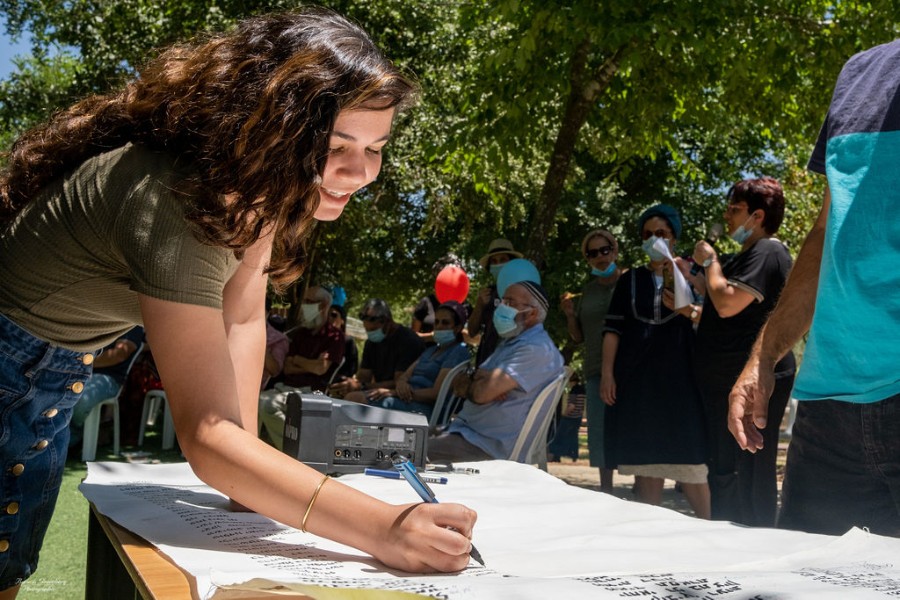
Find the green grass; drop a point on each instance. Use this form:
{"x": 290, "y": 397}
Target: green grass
{"x": 61, "y": 571}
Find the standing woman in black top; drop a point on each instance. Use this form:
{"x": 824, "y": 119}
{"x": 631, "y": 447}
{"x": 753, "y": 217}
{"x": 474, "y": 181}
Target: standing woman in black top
{"x": 176, "y": 200}
{"x": 740, "y": 293}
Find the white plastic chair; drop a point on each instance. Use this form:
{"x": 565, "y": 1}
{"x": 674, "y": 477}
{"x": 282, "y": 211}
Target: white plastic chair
{"x": 153, "y": 401}
{"x": 446, "y": 403}
{"x": 92, "y": 422}
{"x": 335, "y": 372}
{"x": 531, "y": 445}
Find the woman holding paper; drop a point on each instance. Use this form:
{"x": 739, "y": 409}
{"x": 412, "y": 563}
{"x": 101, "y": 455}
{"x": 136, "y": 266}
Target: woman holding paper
{"x": 172, "y": 203}
{"x": 655, "y": 419}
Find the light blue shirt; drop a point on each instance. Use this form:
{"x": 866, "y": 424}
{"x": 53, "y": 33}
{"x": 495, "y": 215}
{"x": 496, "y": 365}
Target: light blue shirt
{"x": 532, "y": 359}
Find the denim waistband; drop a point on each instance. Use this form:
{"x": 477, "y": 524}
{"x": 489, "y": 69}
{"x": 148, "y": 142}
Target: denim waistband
{"x": 20, "y": 345}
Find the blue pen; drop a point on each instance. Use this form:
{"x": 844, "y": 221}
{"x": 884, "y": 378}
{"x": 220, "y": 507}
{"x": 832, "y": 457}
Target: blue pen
{"x": 396, "y": 475}
{"x": 408, "y": 470}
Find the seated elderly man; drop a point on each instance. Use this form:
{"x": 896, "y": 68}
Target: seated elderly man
{"x": 316, "y": 349}
{"x": 501, "y": 391}
{"x": 389, "y": 350}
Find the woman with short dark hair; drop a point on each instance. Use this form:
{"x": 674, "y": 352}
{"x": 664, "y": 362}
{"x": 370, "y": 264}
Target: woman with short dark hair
{"x": 741, "y": 291}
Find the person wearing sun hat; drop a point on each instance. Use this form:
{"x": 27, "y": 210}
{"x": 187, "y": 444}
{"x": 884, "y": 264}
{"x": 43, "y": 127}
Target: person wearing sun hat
{"x": 500, "y": 251}
{"x": 501, "y": 390}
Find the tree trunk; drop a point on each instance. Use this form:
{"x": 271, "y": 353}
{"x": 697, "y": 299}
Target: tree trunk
{"x": 585, "y": 89}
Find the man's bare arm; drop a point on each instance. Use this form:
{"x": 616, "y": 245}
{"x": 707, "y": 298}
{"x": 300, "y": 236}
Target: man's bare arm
{"x": 791, "y": 319}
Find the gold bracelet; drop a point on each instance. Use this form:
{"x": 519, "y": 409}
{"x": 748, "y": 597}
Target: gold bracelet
{"x": 311, "y": 502}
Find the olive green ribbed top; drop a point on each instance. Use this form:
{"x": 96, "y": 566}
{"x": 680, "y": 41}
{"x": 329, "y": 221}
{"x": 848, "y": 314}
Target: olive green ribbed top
{"x": 74, "y": 260}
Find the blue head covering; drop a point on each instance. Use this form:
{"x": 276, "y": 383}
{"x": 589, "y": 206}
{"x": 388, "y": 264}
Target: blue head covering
{"x": 516, "y": 271}
{"x": 666, "y": 212}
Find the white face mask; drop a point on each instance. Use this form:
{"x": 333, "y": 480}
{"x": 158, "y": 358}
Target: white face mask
{"x": 310, "y": 315}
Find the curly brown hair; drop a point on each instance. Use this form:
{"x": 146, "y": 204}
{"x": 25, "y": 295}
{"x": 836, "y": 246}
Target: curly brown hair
{"x": 252, "y": 109}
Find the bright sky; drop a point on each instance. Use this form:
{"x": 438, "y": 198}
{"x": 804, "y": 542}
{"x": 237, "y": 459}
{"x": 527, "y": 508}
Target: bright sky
{"x": 9, "y": 49}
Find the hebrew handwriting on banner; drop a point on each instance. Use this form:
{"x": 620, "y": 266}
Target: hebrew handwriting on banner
{"x": 860, "y": 576}
{"x": 596, "y": 548}
{"x": 271, "y": 546}
{"x": 668, "y": 586}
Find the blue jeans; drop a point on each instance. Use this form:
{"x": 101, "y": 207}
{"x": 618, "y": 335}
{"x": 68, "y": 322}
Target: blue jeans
{"x": 39, "y": 385}
{"x": 843, "y": 468}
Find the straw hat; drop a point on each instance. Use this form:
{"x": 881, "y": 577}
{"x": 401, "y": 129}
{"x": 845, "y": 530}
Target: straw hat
{"x": 499, "y": 246}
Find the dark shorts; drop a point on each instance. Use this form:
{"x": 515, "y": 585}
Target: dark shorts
{"x": 39, "y": 385}
{"x": 843, "y": 468}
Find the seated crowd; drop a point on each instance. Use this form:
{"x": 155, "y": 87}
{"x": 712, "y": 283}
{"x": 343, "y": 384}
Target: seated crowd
{"x": 401, "y": 369}
{"x": 637, "y": 358}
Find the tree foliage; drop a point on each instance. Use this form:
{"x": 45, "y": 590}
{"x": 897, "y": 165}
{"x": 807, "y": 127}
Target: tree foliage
{"x": 539, "y": 119}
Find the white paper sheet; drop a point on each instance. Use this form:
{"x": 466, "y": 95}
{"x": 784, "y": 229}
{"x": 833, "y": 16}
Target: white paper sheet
{"x": 682, "y": 288}
{"x": 539, "y": 537}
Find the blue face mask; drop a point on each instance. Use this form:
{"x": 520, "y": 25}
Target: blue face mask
{"x": 652, "y": 252}
{"x": 505, "y": 321}
{"x": 375, "y": 336}
{"x": 741, "y": 234}
{"x": 495, "y": 270}
{"x": 444, "y": 336}
{"x": 607, "y": 272}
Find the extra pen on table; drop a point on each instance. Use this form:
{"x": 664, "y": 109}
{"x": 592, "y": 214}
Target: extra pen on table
{"x": 396, "y": 475}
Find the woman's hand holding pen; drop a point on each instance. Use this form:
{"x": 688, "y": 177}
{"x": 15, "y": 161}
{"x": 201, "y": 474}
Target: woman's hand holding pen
{"x": 428, "y": 537}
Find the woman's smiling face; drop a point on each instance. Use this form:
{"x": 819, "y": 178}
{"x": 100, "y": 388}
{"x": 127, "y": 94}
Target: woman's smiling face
{"x": 354, "y": 157}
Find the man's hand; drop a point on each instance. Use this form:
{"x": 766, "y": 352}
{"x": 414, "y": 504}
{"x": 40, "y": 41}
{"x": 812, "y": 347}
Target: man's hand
{"x": 342, "y": 388}
{"x": 379, "y": 393}
{"x": 484, "y": 297}
{"x": 748, "y": 404}
{"x": 404, "y": 391}
{"x": 460, "y": 385}
{"x": 703, "y": 251}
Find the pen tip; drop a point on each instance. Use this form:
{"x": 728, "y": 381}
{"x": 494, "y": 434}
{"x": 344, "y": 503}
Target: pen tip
{"x": 476, "y": 556}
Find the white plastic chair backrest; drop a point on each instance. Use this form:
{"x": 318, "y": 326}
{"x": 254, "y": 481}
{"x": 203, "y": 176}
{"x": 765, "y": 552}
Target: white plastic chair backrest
{"x": 336, "y": 369}
{"x": 533, "y": 436}
{"x": 443, "y": 406}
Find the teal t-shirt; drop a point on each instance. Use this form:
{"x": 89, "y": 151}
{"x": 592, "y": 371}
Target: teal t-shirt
{"x": 853, "y": 352}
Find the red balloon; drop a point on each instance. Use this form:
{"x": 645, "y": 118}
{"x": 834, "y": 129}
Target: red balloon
{"x": 452, "y": 283}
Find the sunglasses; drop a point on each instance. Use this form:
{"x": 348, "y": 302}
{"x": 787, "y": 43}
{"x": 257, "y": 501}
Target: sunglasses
{"x": 660, "y": 233}
{"x": 334, "y": 315}
{"x": 371, "y": 318}
{"x": 595, "y": 252}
